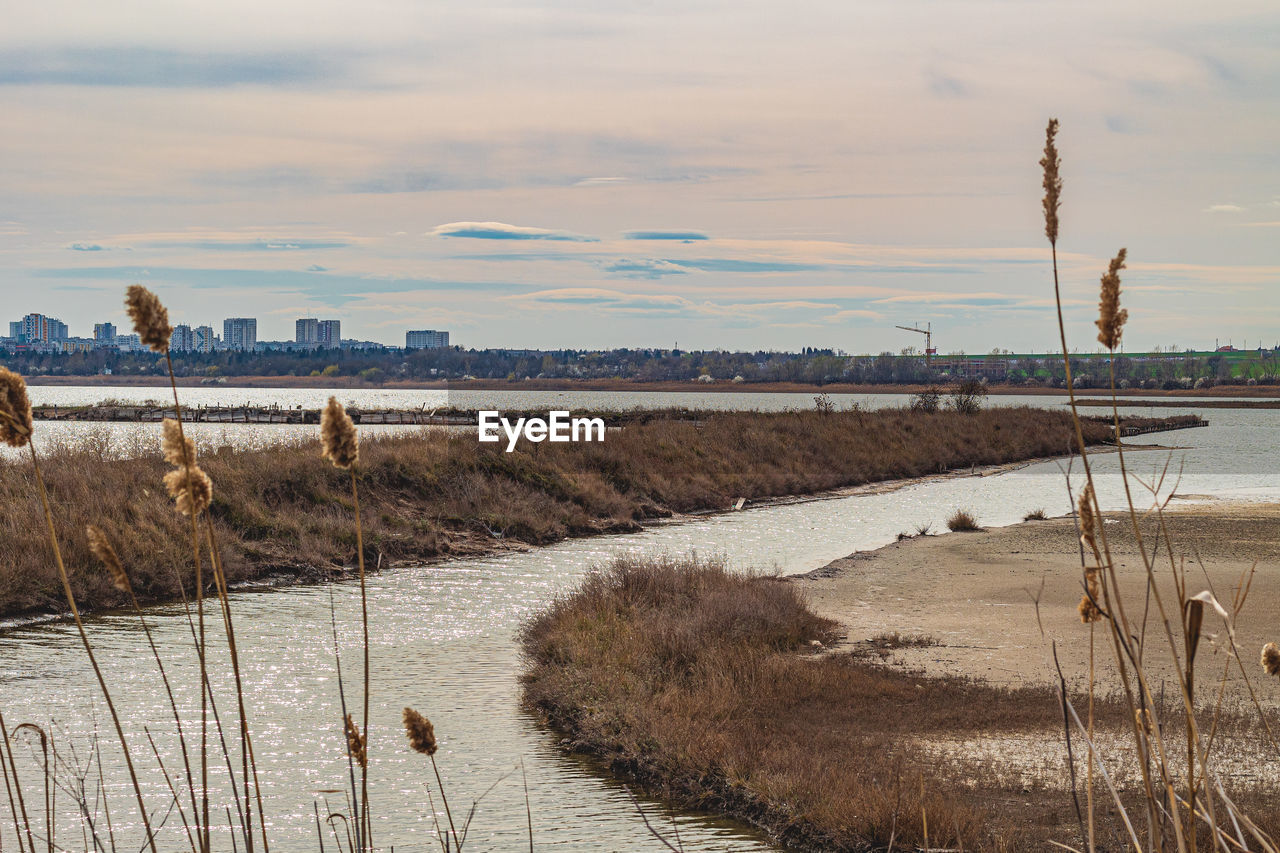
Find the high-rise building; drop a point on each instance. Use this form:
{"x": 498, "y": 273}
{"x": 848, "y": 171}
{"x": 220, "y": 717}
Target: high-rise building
{"x": 307, "y": 330}
{"x": 426, "y": 339}
{"x": 182, "y": 339}
{"x": 240, "y": 333}
{"x": 203, "y": 339}
{"x": 37, "y": 328}
{"x": 329, "y": 334}
{"x": 104, "y": 333}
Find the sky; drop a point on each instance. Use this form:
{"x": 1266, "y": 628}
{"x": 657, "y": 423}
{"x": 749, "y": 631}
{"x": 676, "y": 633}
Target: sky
{"x": 702, "y": 173}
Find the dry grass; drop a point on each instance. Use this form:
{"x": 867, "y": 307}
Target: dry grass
{"x": 962, "y": 521}
{"x": 285, "y": 512}
{"x": 702, "y": 685}
{"x": 707, "y": 688}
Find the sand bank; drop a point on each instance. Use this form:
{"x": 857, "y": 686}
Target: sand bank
{"x": 976, "y": 592}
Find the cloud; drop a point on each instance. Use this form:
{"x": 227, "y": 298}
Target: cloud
{"x": 503, "y": 231}
{"x": 614, "y": 300}
{"x": 166, "y": 69}
{"x": 326, "y": 288}
{"x": 734, "y": 265}
{"x": 317, "y": 268}
{"x": 683, "y": 236}
{"x": 644, "y": 268}
{"x": 1224, "y": 208}
{"x": 85, "y": 247}
{"x": 949, "y": 299}
{"x": 601, "y": 182}
{"x": 273, "y": 245}
{"x": 1119, "y": 124}
{"x": 852, "y": 314}
{"x": 946, "y": 86}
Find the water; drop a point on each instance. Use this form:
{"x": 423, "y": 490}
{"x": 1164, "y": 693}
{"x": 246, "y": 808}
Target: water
{"x": 443, "y": 642}
{"x": 131, "y": 439}
{"x": 502, "y": 400}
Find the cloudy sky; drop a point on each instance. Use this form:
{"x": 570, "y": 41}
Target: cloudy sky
{"x": 592, "y": 173}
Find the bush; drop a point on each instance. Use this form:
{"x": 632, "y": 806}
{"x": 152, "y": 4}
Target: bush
{"x": 928, "y": 400}
{"x": 962, "y": 520}
{"x": 968, "y": 396}
{"x": 1035, "y": 515}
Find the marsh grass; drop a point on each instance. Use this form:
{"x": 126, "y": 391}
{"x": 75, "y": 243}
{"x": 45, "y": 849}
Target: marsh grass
{"x": 285, "y": 513}
{"x": 962, "y": 521}
{"x": 705, "y": 686}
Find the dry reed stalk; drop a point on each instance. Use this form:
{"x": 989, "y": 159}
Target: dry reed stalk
{"x": 84, "y": 638}
{"x": 100, "y": 546}
{"x": 48, "y": 781}
{"x": 192, "y": 492}
{"x": 249, "y": 764}
{"x": 1120, "y": 628}
{"x": 1128, "y": 646}
{"x": 341, "y": 446}
{"x": 16, "y": 791}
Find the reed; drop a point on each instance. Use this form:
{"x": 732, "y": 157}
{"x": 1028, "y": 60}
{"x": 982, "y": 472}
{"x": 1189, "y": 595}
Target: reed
{"x": 1178, "y": 811}
{"x": 286, "y": 512}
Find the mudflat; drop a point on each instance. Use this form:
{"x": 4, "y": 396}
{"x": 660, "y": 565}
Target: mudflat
{"x": 976, "y": 593}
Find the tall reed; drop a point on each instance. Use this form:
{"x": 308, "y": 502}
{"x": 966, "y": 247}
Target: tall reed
{"x": 1178, "y": 809}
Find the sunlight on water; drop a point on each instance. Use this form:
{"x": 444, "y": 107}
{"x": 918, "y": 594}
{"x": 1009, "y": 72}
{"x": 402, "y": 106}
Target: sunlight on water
{"x": 444, "y": 642}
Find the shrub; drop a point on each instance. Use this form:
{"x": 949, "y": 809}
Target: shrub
{"x": 1035, "y": 515}
{"x": 968, "y": 396}
{"x": 928, "y": 400}
{"x": 962, "y": 520}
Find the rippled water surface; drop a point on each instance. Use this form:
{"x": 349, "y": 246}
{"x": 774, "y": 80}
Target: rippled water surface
{"x": 443, "y": 641}
{"x": 509, "y": 400}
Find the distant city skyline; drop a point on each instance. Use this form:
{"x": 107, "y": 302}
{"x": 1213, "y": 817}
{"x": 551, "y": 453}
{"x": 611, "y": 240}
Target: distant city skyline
{"x": 741, "y": 176}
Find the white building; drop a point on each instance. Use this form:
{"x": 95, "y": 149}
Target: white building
{"x": 426, "y": 339}
{"x": 240, "y": 333}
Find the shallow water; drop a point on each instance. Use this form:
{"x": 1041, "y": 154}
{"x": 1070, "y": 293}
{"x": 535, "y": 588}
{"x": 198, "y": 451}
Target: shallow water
{"x": 502, "y": 400}
{"x": 443, "y": 641}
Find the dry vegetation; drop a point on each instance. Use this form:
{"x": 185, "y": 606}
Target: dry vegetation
{"x": 707, "y": 687}
{"x": 286, "y": 512}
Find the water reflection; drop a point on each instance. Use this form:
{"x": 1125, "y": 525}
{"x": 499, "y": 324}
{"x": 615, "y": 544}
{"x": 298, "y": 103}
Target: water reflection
{"x": 443, "y": 642}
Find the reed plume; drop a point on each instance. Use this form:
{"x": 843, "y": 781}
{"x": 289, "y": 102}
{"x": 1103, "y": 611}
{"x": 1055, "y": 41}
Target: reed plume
{"x": 1088, "y": 607}
{"x": 100, "y": 547}
{"x": 1271, "y": 658}
{"x": 190, "y": 488}
{"x": 338, "y": 439}
{"x": 15, "y": 409}
{"x": 1111, "y": 317}
{"x": 177, "y": 448}
{"x": 356, "y": 743}
{"x": 1088, "y": 522}
{"x": 150, "y": 317}
{"x": 421, "y": 734}
{"x": 1052, "y": 182}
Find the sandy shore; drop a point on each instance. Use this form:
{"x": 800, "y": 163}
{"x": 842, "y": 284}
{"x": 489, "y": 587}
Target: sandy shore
{"x": 974, "y": 593}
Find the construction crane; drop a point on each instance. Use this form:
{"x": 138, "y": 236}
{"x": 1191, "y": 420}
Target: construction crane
{"x": 929, "y": 351}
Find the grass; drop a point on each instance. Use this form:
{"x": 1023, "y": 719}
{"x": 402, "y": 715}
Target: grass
{"x": 1035, "y": 515}
{"x": 283, "y": 512}
{"x": 707, "y": 688}
{"x": 702, "y": 685}
{"x": 962, "y": 521}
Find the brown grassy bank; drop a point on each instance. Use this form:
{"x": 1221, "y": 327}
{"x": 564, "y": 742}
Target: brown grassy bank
{"x": 704, "y": 686}
{"x": 285, "y": 511}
